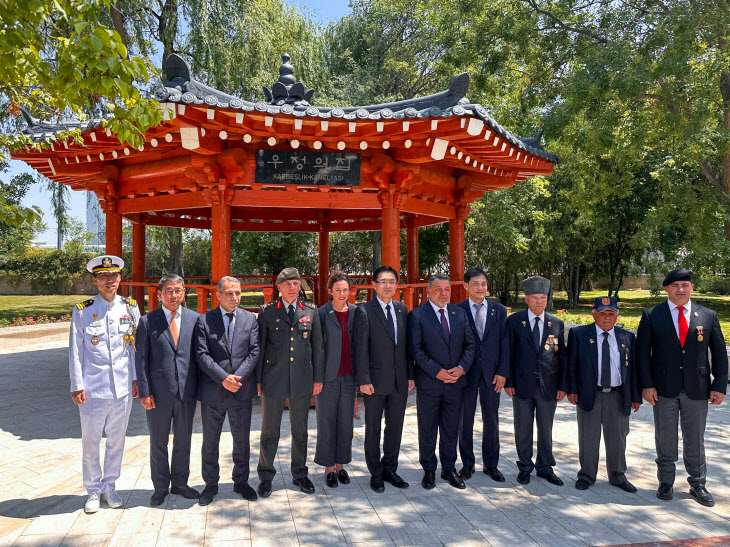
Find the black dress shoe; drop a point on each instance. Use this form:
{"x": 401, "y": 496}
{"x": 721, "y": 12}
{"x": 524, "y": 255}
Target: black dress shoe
{"x": 394, "y": 478}
{"x": 495, "y": 473}
{"x": 158, "y": 497}
{"x": 626, "y": 487}
{"x": 429, "y": 479}
{"x": 304, "y": 484}
{"x": 185, "y": 491}
{"x": 343, "y": 477}
{"x": 702, "y": 496}
{"x": 265, "y": 488}
{"x": 246, "y": 491}
{"x": 207, "y": 495}
{"x": 376, "y": 483}
{"x": 466, "y": 472}
{"x": 523, "y": 477}
{"x": 582, "y": 484}
{"x": 453, "y": 479}
{"x": 331, "y": 480}
{"x": 552, "y": 478}
{"x": 664, "y": 492}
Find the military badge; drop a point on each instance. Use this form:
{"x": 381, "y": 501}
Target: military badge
{"x": 524, "y": 323}
{"x": 305, "y": 319}
{"x": 550, "y": 323}
{"x": 700, "y": 333}
{"x": 94, "y": 317}
{"x": 592, "y": 341}
{"x": 305, "y": 335}
{"x": 106, "y": 262}
{"x": 95, "y": 340}
{"x": 126, "y": 320}
{"x": 605, "y": 301}
{"x": 697, "y": 314}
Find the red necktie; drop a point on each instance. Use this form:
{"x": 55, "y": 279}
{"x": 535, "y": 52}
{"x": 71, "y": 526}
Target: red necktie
{"x": 682, "y": 323}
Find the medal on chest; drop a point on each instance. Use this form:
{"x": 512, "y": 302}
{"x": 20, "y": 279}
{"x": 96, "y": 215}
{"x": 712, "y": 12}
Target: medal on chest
{"x": 700, "y": 333}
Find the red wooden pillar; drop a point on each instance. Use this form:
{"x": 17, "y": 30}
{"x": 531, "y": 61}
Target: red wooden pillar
{"x": 391, "y": 236}
{"x": 456, "y": 257}
{"x": 114, "y": 234}
{"x": 221, "y": 243}
{"x": 412, "y": 264}
{"x": 324, "y": 264}
{"x": 138, "y": 263}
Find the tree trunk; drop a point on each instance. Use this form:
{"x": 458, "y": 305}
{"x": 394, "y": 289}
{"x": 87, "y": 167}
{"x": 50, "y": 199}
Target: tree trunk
{"x": 176, "y": 259}
{"x": 168, "y": 30}
{"x": 378, "y": 250}
{"x": 118, "y": 22}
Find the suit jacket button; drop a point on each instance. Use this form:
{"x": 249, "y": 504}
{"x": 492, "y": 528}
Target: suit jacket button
{"x": 680, "y": 368}
{"x": 292, "y": 328}
{"x": 291, "y": 358}
{"x": 291, "y": 349}
{"x": 684, "y": 351}
{"x": 292, "y": 339}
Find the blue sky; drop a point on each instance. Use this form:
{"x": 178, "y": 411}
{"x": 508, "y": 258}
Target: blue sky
{"x": 325, "y": 11}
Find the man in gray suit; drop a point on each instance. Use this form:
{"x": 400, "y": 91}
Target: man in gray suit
{"x": 167, "y": 377}
{"x": 227, "y": 349}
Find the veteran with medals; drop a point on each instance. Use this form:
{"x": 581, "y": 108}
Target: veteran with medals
{"x": 102, "y": 374}
{"x": 603, "y": 383}
{"x": 682, "y": 363}
{"x": 538, "y": 379}
{"x": 290, "y": 366}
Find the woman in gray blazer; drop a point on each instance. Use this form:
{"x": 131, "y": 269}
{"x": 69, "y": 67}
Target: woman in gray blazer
{"x": 336, "y": 401}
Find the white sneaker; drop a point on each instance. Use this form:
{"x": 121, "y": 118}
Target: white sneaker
{"x": 112, "y": 499}
{"x": 92, "y": 504}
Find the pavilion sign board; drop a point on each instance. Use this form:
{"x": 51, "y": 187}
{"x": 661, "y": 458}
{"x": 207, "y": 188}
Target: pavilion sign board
{"x": 307, "y": 168}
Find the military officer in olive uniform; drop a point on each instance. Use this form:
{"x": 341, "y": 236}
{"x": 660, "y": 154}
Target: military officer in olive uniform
{"x": 290, "y": 366}
{"x": 103, "y": 380}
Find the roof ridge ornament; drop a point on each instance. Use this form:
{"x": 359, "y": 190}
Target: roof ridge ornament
{"x": 534, "y": 141}
{"x": 286, "y": 90}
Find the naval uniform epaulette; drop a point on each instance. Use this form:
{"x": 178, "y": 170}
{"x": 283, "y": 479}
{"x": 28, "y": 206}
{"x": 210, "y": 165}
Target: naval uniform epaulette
{"x": 128, "y": 300}
{"x": 85, "y": 304}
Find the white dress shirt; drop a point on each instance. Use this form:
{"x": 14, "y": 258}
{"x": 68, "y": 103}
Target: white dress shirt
{"x": 438, "y": 313}
{"x": 615, "y": 356}
{"x": 531, "y": 321}
{"x": 225, "y": 319}
{"x": 473, "y": 308}
{"x": 675, "y": 314}
{"x": 392, "y": 313}
{"x": 168, "y": 314}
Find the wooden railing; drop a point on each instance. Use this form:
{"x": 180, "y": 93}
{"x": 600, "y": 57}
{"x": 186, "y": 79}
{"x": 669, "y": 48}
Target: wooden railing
{"x": 412, "y": 295}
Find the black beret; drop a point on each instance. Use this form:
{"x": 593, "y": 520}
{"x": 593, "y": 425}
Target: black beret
{"x": 677, "y": 275}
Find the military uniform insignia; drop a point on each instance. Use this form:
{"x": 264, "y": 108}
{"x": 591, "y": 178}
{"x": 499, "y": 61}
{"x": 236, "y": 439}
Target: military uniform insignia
{"x": 592, "y": 341}
{"x": 305, "y": 319}
{"x": 106, "y": 261}
{"x": 550, "y": 323}
{"x": 697, "y": 314}
{"x": 700, "y": 333}
{"x": 85, "y": 304}
{"x": 308, "y": 304}
{"x": 605, "y": 301}
{"x": 94, "y": 317}
{"x": 95, "y": 340}
{"x": 125, "y": 320}
{"x": 524, "y": 323}
{"x": 305, "y": 335}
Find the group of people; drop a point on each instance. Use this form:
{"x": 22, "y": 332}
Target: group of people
{"x": 455, "y": 355}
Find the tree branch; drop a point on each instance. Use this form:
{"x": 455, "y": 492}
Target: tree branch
{"x": 598, "y": 38}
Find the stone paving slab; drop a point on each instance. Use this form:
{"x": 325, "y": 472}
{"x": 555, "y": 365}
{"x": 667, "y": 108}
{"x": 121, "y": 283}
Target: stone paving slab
{"x": 41, "y": 502}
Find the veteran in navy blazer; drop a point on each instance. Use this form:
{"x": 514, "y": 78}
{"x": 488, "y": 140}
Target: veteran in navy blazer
{"x": 227, "y": 352}
{"x": 486, "y": 376}
{"x": 538, "y": 379}
{"x": 678, "y": 378}
{"x": 167, "y": 377}
{"x": 602, "y": 381}
{"x": 441, "y": 343}
{"x": 385, "y": 376}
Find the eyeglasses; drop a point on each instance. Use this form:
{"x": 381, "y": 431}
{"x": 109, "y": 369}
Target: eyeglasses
{"x": 170, "y": 292}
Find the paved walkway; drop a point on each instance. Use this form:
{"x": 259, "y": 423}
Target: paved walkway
{"x": 41, "y": 497}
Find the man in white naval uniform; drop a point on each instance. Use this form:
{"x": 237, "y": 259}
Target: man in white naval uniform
{"x": 103, "y": 379}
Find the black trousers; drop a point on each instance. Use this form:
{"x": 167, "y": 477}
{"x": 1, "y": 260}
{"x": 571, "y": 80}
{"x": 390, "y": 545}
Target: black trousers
{"x": 526, "y": 411}
{"x": 393, "y": 406}
{"x": 335, "y": 416}
{"x": 239, "y": 418}
{"x": 177, "y": 416}
{"x": 439, "y": 412}
{"x": 489, "y": 401}
{"x": 272, "y": 409}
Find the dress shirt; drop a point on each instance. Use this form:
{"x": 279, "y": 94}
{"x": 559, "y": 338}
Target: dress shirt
{"x": 531, "y": 321}
{"x": 168, "y": 313}
{"x": 225, "y": 319}
{"x": 615, "y": 356}
{"x": 472, "y": 307}
{"x": 392, "y": 313}
{"x": 438, "y": 314}
{"x": 675, "y": 314}
{"x": 286, "y": 305}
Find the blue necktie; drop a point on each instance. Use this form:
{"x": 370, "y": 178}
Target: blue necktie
{"x": 230, "y": 331}
{"x": 536, "y": 334}
{"x": 389, "y": 316}
{"x": 605, "y": 363}
{"x": 445, "y": 326}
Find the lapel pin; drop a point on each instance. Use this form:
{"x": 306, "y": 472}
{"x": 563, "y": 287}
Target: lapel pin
{"x": 623, "y": 345}
{"x": 592, "y": 341}
{"x": 550, "y": 323}
{"x": 697, "y": 314}
{"x": 524, "y": 323}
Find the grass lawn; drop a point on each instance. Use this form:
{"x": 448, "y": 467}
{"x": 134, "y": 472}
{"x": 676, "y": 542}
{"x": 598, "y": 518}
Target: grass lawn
{"x": 12, "y": 306}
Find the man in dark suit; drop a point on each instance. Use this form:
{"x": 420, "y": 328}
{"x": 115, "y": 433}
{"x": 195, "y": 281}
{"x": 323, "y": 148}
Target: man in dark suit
{"x": 486, "y": 376}
{"x": 672, "y": 346}
{"x": 602, "y": 381}
{"x": 385, "y": 375}
{"x": 291, "y": 366}
{"x": 441, "y": 343}
{"x": 227, "y": 350}
{"x": 167, "y": 376}
{"x": 538, "y": 379}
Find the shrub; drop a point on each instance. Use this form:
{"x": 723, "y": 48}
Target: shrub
{"x": 715, "y": 284}
{"x": 48, "y": 271}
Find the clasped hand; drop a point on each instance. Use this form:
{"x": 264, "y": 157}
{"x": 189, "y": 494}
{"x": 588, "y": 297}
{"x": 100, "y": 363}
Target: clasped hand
{"x": 450, "y": 376}
{"x": 231, "y": 383}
